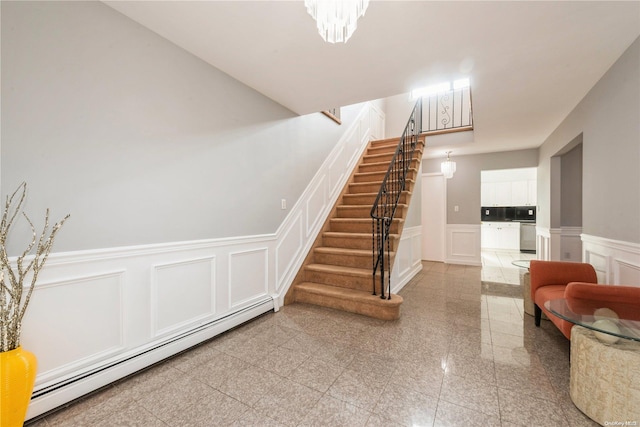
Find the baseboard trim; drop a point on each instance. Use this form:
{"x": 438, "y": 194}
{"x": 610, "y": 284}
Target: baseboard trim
{"x": 64, "y": 390}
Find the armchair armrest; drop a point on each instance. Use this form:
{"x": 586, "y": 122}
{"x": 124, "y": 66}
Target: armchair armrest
{"x": 544, "y": 273}
{"x": 585, "y": 298}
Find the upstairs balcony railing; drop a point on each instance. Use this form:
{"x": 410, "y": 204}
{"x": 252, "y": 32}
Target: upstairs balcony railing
{"x": 447, "y": 111}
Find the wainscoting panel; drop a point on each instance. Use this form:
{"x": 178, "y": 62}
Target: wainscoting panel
{"x": 247, "y": 276}
{"x": 287, "y": 250}
{"x": 600, "y": 263}
{"x": 408, "y": 260}
{"x": 364, "y": 127}
{"x": 337, "y": 171}
{"x": 353, "y": 145}
{"x": 73, "y": 323}
{"x": 463, "y": 244}
{"x": 626, "y": 273}
{"x": 99, "y": 315}
{"x": 316, "y": 203}
{"x": 182, "y": 293}
{"x": 616, "y": 262}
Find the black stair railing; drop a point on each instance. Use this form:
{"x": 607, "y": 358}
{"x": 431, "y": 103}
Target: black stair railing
{"x": 386, "y": 203}
{"x": 448, "y": 111}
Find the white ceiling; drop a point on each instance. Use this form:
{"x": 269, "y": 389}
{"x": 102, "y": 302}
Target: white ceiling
{"x": 530, "y": 63}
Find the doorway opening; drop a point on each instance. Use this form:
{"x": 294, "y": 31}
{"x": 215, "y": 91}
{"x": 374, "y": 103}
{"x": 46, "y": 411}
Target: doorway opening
{"x": 508, "y": 220}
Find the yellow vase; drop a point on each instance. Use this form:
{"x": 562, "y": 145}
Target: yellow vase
{"x": 17, "y": 376}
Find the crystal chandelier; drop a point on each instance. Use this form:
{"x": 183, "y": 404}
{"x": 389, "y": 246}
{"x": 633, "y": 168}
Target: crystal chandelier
{"x": 336, "y": 19}
{"x": 448, "y": 167}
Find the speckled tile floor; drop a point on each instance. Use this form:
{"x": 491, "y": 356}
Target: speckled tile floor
{"x": 458, "y": 356}
{"x": 497, "y": 266}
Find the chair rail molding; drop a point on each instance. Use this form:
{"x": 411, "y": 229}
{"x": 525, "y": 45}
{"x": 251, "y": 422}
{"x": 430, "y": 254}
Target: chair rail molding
{"x": 616, "y": 262}
{"x": 150, "y": 302}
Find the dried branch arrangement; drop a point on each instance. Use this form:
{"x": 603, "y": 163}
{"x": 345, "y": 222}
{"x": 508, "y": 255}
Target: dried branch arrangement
{"x": 14, "y": 274}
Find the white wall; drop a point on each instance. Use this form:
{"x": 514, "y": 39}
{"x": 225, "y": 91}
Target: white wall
{"x": 607, "y": 118}
{"x": 139, "y": 140}
{"x": 99, "y": 315}
{"x": 173, "y": 173}
{"x": 397, "y": 111}
{"x": 606, "y": 121}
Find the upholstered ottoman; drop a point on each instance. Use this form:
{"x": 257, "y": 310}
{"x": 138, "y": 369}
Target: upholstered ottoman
{"x": 605, "y": 378}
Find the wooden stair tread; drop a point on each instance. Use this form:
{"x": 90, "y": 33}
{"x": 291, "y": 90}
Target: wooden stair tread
{"x": 349, "y": 235}
{"x": 349, "y": 293}
{"x": 385, "y": 163}
{"x": 400, "y": 205}
{"x": 371, "y": 194}
{"x": 343, "y": 251}
{"x": 354, "y": 301}
{"x": 360, "y": 220}
{"x": 339, "y": 269}
{"x": 364, "y": 183}
{"x": 380, "y": 172}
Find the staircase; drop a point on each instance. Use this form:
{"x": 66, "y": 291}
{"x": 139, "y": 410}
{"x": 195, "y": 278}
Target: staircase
{"x": 338, "y": 272}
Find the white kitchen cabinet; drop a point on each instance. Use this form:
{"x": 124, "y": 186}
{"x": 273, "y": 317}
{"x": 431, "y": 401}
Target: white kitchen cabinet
{"x": 503, "y": 194}
{"x": 488, "y": 194}
{"x": 512, "y": 193}
{"x": 489, "y": 235}
{"x": 532, "y": 192}
{"x": 500, "y": 235}
{"x": 509, "y": 236}
{"x": 508, "y": 187}
{"x": 519, "y": 193}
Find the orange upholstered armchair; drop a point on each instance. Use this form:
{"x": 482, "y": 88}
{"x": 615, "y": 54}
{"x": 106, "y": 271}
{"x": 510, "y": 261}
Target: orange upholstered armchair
{"x": 549, "y": 280}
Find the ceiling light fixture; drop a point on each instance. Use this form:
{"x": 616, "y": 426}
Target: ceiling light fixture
{"x": 336, "y": 19}
{"x": 448, "y": 167}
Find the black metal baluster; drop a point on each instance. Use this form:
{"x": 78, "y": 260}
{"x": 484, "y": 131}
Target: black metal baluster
{"x": 384, "y": 208}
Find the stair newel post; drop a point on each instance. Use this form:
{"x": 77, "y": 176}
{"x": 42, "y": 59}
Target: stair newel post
{"x": 373, "y": 248}
{"x": 388, "y": 228}
{"x": 382, "y": 264}
{"x": 375, "y": 226}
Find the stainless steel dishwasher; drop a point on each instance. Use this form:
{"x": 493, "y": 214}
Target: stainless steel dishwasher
{"x": 528, "y": 237}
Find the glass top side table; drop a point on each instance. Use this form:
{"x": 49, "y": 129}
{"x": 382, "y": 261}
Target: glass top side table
{"x": 522, "y": 263}
{"x": 589, "y": 316}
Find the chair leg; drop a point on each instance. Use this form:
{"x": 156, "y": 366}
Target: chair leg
{"x": 537, "y": 314}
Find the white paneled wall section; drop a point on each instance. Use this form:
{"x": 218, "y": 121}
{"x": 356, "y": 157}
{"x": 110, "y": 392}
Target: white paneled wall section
{"x": 616, "y": 262}
{"x": 97, "y": 316}
{"x": 408, "y": 260}
{"x": 463, "y": 244}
